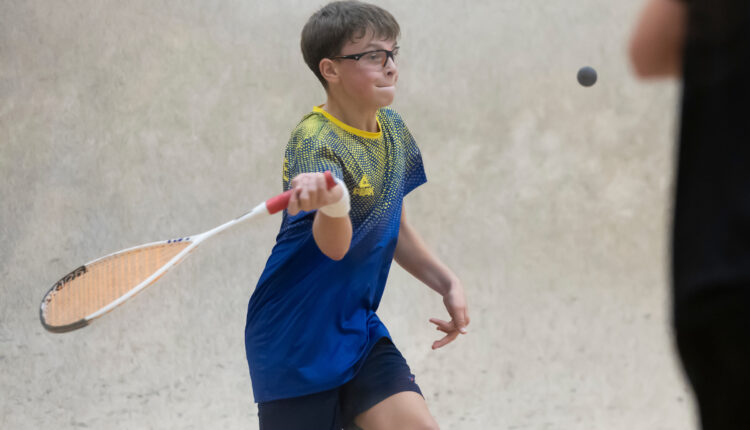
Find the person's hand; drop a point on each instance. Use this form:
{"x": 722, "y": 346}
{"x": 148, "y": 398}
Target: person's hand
{"x": 311, "y": 192}
{"x": 455, "y": 303}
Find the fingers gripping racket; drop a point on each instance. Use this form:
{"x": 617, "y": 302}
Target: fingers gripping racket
{"x": 101, "y": 285}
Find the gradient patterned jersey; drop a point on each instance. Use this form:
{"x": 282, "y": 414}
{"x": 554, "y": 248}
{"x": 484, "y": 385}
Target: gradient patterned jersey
{"x": 311, "y": 320}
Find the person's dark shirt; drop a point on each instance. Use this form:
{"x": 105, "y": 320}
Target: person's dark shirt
{"x": 711, "y": 236}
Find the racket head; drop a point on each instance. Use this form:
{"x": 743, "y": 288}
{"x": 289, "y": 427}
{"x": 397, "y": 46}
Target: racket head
{"x": 99, "y": 286}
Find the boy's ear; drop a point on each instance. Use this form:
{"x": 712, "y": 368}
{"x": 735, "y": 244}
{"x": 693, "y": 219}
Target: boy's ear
{"x": 328, "y": 70}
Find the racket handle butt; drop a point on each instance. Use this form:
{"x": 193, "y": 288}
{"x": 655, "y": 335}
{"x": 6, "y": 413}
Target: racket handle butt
{"x": 330, "y": 180}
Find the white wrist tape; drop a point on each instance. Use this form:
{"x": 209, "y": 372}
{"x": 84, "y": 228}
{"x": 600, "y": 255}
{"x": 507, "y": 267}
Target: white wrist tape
{"x": 341, "y": 207}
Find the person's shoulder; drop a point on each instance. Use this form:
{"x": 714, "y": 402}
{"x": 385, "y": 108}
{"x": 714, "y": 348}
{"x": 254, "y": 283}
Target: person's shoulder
{"x": 389, "y": 118}
{"x": 390, "y": 114}
{"x": 309, "y": 127}
{"x": 311, "y": 132}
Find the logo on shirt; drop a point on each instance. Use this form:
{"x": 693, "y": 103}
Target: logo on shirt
{"x": 364, "y": 188}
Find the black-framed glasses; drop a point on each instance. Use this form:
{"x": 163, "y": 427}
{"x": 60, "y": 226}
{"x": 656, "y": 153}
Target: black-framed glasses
{"x": 372, "y": 59}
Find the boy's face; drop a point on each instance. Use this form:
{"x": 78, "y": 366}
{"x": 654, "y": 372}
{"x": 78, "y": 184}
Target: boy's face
{"x": 370, "y": 85}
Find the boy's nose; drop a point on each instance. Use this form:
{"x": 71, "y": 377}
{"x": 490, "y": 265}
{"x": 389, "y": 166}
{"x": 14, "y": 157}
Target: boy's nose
{"x": 390, "y": 66}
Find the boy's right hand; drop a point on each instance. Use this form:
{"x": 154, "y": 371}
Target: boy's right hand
{"x": 311, "y": 192}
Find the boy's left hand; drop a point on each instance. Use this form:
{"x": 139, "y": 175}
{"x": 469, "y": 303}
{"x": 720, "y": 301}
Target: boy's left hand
{"x": 455, "y": 303}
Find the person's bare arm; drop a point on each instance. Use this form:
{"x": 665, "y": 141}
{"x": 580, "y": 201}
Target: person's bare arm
{"x": 413, "y": 255}
{"x": 657, "y": 42}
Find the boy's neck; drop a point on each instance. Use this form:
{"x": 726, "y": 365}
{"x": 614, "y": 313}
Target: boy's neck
{"x": 351, "y": 114}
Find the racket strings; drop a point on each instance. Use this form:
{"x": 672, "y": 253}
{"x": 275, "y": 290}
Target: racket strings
{"x": 105, "y": 281}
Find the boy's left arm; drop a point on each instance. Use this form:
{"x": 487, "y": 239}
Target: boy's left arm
{"x": 413, "y": 255}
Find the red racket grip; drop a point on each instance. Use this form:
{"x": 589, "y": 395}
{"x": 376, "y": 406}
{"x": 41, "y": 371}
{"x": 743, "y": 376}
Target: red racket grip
{"x": 280, "y": 202}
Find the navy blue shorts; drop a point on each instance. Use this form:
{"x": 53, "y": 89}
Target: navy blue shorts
{"x": 383, "y": 374}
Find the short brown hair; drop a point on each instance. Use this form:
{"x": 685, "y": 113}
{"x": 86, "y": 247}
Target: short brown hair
{"x": 338, "y": 22}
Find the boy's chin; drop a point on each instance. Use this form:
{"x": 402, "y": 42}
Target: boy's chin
{"x": 386, "y": 96}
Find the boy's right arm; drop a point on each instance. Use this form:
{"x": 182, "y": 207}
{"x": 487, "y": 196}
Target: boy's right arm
{"x": 333, "y": 231}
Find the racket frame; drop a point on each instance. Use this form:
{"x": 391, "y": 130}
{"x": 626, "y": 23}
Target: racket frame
{"x": 269, "y": 207}
{"x": 257, "y": 212}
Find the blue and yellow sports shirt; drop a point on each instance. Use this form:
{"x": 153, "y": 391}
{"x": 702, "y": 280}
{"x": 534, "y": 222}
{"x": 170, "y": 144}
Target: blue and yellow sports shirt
{"x": 311, "y": 320}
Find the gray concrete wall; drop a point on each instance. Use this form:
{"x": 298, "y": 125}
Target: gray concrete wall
{"x": 128, "y": 122}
